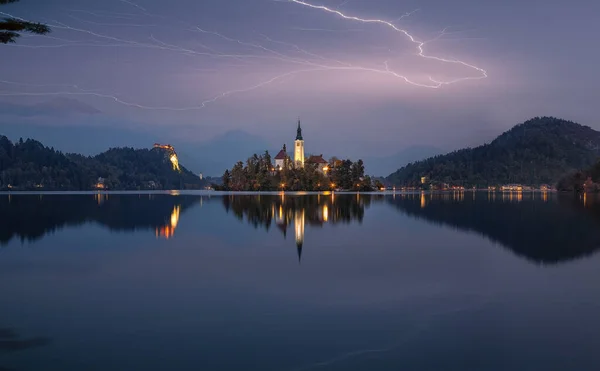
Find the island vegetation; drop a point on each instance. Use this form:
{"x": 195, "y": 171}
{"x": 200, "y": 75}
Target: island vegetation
{"x": 29, "y": 165}
{"x": 539, "y": 151}
{"x": 259, "y": 174}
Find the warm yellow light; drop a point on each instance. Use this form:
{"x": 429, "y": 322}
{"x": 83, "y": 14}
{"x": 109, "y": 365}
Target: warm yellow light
{"x": 175, "y": 216}
{"x": 325, "y": 213}
{"x": 168, "y": 230}
{"x": 332, "y": 185}
{"x": 175, "y": 162}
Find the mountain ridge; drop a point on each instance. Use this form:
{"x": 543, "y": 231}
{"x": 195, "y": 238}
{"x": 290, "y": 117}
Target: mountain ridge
{"x": 28, "y": 164}
{"x": 538, "y": 151}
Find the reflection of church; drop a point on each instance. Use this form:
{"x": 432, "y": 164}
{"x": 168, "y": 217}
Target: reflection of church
{"x": 297, "y": 211}
{"x": 300, "y": 216}
{"x": 282, "y": 159}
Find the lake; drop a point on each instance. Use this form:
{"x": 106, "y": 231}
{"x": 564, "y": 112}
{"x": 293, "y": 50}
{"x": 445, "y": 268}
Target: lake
{"x": 294, "y": 282}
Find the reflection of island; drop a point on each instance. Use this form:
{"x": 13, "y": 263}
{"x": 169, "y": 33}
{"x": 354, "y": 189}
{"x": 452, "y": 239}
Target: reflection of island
{"x": 285, "y": 209}
{"x": 33, "y": 216}
{"x": 528, "y": 224}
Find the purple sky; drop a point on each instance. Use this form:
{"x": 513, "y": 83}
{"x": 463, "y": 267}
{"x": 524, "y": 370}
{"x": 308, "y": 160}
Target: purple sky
{"x": 186, "y": 71}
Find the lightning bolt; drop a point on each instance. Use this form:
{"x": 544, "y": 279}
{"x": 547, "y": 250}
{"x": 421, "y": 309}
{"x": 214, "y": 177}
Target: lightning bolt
{"x": 310, "y": 62}
{"x": 134, "y": 5}
{"x": 419, "y": 44}
{"x": 202, "y": 104}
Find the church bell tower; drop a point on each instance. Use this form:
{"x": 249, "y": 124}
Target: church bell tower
{"x": 299, "y": 147}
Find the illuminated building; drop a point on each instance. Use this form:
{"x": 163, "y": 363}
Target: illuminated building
{"x": 322, "y": 165}
{"x": 281, "y": 159}
{"x": 299, "y": 147}
{"x": 512, "y": 188}
{"x": 99, "y": 184}
{"x": 172, "y": 155}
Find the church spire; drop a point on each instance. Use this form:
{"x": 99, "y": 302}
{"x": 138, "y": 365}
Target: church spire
{"x": 299, "y": 131}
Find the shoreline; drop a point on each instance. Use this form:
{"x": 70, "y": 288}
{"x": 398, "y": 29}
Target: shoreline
{"x": 175, "y": 192}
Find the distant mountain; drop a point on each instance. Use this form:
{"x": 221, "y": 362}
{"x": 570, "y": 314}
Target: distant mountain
{"x": 212, "y": 158}
{"x": 95, "y": 136}
{"x": 381, "y": 166}
{"x": 538, "y": 151}
{"x": 54, "y": 107}
{"x": 30, "y": 165}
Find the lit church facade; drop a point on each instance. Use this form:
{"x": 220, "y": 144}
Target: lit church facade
{"x": 282, "y": 159}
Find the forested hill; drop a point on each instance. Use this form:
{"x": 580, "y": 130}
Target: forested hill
{"x": 29, "y": 165}
{"x": 538, "y": 151}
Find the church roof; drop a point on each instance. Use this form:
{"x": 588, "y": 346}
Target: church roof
{"x": 281, "y": 155}
{"x": 316, "y": 160}
{"x": 299, "y": 132}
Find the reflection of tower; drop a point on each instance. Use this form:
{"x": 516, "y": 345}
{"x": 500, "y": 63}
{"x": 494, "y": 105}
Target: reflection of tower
{"x": 299, "y": 227}
{"x": 299, "y": 147}
{"x": 168, "y": 230}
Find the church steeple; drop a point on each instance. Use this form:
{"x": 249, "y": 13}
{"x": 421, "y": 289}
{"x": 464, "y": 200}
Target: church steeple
{"x": 299, "y": 147}
{"x": 299, "y": 131}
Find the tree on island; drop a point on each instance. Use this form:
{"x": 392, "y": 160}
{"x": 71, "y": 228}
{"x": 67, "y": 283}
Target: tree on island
{"x": 11, "y": 27}
{"x": 259, "y": 174}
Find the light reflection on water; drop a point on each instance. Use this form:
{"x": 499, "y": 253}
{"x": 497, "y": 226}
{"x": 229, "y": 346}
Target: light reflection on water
{"x": 509, "y": 277}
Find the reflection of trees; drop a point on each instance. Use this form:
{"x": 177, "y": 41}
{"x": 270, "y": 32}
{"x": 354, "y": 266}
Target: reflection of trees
{"x": 264, "y": 210}
{"x": 32, "y": 216}
{"x": 285, "y": 209}
{"x": 543, "y": 232}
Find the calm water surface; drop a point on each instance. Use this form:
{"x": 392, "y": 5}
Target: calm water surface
{"x": 299, "y": 282}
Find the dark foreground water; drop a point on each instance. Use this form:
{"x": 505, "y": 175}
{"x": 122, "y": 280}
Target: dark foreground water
{"x": 299, "y": 282}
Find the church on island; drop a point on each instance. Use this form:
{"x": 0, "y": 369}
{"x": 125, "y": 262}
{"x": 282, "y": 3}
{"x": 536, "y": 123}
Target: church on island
{"x": 283, "y": 159}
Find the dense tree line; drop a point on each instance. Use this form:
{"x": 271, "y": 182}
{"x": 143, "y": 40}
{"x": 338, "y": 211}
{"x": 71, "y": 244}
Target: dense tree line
{"x": 587, "y": 180}
{"x": 258, "y": 174}
{"x": 539, "y": 151}
{"x": 29, "y": 165}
